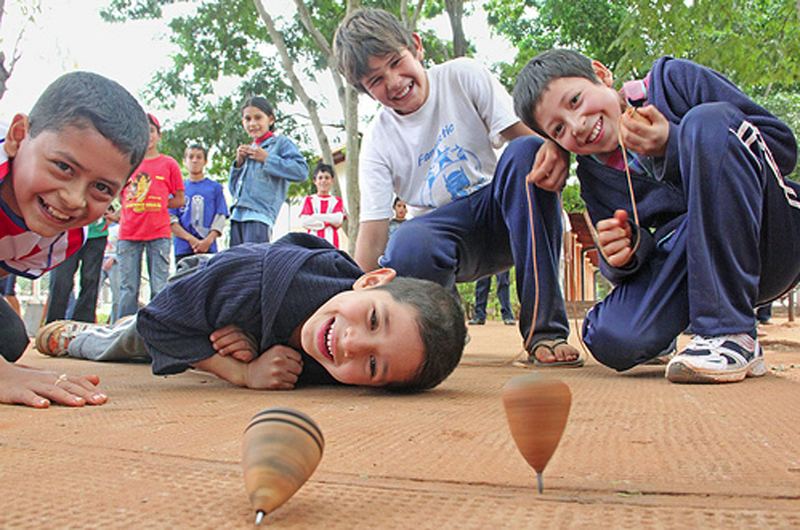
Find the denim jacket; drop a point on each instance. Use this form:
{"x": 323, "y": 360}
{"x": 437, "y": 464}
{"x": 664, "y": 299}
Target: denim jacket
{"x": 259, "y": 188}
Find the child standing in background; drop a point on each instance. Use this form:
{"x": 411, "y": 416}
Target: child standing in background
{"x": 260, "y": 175}
{"x": 322, "y": 213}
{"x": 197, "y": 224}
{"x": 155, "y": 186}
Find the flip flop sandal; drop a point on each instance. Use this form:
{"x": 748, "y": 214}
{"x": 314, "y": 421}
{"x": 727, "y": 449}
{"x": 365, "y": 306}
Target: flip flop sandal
{"x": 552, "y": 345}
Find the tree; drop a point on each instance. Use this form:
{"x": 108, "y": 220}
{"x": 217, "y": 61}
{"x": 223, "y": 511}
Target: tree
{"x": 222, "y": 41}
{"x": 28, "y": 11}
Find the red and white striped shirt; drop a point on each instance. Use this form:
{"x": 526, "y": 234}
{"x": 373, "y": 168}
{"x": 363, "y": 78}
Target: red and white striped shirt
{"x": 319, "y": 208}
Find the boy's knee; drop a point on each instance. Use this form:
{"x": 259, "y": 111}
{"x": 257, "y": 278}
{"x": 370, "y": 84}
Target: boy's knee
{"x": 716, "y": 116}
{"x": 616, "y": 346}
{"x": 523, "y": 148}
{"x": 415, "y": 250}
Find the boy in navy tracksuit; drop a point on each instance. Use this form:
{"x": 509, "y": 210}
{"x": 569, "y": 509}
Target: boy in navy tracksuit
{"x": 718, "y": 228}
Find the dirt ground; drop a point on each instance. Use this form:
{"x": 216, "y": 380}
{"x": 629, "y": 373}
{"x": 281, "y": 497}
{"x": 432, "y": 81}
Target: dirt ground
{"x": 637, "y": 451}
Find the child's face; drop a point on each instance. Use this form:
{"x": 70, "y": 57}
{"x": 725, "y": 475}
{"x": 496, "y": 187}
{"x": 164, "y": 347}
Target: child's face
{"x": 398, "y": 80}
{"x": 62, "y": 179}
{"x": 582, "y": 116}
{"x": 365, "y": 337}
{"x": 195, "y": 161}
{"x": 324, "y": 183}
{"x": 155, "y": 137}
{"x": 400, "y": 210}
{"x": 256, "y": 122}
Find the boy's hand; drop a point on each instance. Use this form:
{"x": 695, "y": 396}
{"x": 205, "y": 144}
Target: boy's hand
{"x": 647, "y": 136}
{"x": 614, "y": 237}
{"x": 232, "y": 341}
{"x": 201, "y": 246}
{"x": 277, "y": 369}
{"x": 22, "y": 385}
{"x": 550, "y": 168}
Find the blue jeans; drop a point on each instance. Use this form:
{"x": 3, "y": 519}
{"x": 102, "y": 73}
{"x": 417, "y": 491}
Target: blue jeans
{"x": 129, "y": 255}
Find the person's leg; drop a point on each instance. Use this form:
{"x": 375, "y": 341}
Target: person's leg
{"x": 91, "y": 264}
{"x": 482, "y": 288}
{"x": 129, "y": 255}
{"x": 158, "y": 264}
{"x": 536, "y": 254}
{"x": 116, "y": 343}
{"x": 13, "y": 333}
{"x": 504, "y": 296}
{"x": 62, "y": 281}
{"x": 235, "y": 232}
{"x": 447, "y": 246}
{"x": 113, "y": 282}
{"x": 640, "y": 318}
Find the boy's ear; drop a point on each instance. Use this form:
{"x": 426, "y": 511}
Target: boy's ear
{"x": 374, "y": 278}
{"x": 418, "y": 50}
{"x": 17, "y": 132}
{"x": 603, "y": 74}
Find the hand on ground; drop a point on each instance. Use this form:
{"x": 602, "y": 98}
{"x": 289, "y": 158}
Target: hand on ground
{"x": 22, "y": 385}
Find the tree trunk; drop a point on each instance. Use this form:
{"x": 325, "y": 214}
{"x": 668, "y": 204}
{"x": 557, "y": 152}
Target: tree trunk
{"x": 455, "y": 12}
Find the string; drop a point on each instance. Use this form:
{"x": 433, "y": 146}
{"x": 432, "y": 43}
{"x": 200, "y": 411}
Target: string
{"x": 632, "y": 112}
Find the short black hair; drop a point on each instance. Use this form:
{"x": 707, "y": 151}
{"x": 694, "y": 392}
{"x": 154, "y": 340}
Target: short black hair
{"x": 84, "y": 99}
{"x": 366, "y": 33}
{"x": 261, "y": 103}
{"x": 536, "y": 76}
{"x": 197, "y": 147}
{"x": 440, "y": 320}
{"x": 322, "y": 167}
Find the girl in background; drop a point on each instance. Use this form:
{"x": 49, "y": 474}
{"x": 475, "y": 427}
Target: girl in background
{"x": 261, "y": 174}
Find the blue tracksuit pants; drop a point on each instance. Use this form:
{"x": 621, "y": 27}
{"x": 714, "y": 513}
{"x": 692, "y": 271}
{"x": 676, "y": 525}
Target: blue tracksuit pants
{"x": 488, "y": 232}
{"x": 737, "y": 246}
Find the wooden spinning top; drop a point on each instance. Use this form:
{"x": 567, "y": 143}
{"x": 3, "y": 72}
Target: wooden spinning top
{"x": 537, "y": 408}
{"x": 281, "y": 449}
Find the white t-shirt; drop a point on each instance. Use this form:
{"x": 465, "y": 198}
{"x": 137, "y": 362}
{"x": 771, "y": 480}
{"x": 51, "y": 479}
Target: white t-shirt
{"x": 443, "y": 151}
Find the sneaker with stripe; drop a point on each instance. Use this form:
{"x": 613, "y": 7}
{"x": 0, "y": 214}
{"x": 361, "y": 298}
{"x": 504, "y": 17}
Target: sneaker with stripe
{"x": 54, "y": 338}
{"x": 723, "y": 359}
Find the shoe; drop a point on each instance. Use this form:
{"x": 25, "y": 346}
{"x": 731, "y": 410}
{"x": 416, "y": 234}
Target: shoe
{"x": 53, "y": 338}
{"x": 552, "y": 345}
{"x": 723, "y": 359}
{"x": 475, "y": 321}
{"x": 509, "y": 322}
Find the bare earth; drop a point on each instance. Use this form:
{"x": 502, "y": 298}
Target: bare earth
{"x": 637, "y": 451}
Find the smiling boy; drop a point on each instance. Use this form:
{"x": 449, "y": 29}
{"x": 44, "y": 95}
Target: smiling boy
{"x": 278, "y": 315}
{"x": 718, "y": 224}
{"x": 434, "y": 144}
{"x": 60, "y": 168}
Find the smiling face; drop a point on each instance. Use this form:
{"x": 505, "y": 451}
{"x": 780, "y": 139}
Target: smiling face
{"x": 324, "y": 182}
{"x": 62, "y": 179}
{"x": 364, "y": 336}
{"x": 256, "y": 122}
{"x": 398, "y": 80}
{"x": 581, "y": 116}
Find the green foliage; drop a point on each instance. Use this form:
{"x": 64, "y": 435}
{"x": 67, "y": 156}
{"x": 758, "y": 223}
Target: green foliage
{"x": 754, "y": 42}
{"x": 533, "y": 26}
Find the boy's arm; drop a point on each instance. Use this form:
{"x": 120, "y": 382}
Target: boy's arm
{"x": 371, "y": 243}
{"x": 276, "y": 369}
{"x": 177, "y": 200}
{"x": 180, "y": 232}
{"x": 551, "y": 165}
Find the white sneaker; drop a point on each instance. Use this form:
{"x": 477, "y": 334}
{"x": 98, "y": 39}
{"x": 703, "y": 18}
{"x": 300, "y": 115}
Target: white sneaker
{"x": 723, "y": 359}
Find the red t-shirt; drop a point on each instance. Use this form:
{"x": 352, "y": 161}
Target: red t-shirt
{"x": 144, "y": 199}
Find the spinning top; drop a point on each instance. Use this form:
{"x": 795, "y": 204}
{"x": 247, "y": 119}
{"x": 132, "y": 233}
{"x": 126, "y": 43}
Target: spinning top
{"x": 537, "y": 408}
{"x": 281, "y": 449}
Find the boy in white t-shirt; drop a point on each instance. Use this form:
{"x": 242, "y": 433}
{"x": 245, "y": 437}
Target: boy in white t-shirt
{"x": 433, "y": 144}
